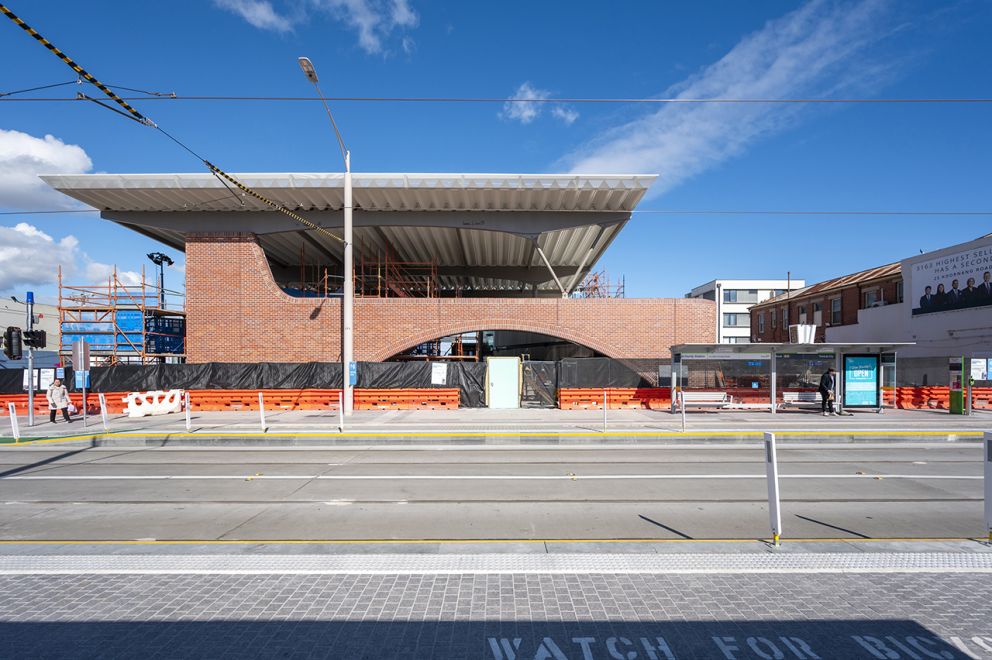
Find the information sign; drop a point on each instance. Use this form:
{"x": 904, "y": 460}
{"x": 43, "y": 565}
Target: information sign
{"x": 861, "y": 381}
{"x": 353, "y": 373}
{"x": 439, "y": 373}
{"x": 81, "y": 379}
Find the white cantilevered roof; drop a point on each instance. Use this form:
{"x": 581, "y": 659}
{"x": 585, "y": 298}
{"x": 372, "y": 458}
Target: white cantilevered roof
{"x": 469, "y": 255}
{"x": 372, "y": 192}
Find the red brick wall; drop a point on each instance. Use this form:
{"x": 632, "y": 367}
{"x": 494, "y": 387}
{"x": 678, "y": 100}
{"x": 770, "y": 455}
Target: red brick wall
{"x": 237, "y": 313}
{"x": 851, "y": 301}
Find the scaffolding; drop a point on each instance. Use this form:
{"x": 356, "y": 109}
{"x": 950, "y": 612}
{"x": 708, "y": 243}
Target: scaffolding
{"x": 598, "y": 285}
{"x": 124, "y": 323}
{"x": 386, "y": 276}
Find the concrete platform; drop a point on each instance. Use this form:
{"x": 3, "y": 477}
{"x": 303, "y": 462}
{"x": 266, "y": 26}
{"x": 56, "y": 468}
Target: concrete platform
{"x": 485, "y": 426}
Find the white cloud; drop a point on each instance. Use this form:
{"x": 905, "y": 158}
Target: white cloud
{"x": 259, "y": 13}
{"x": 528, "y": 102}
{"x": 30, "y": 257}
{"x": 567, "y": 115}
{"x": 816, "y": 50}
{"x": 524, "y": 111}
{"x": 373, "y": 20}
{"x": 96, "y": 272}
{"x": 23, "y": 157}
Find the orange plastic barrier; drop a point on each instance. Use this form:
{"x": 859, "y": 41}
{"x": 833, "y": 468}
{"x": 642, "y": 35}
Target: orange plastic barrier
{"x": 238, "y": 400}
{"x": 617, "y": 398}
{"x": 407, "y": 399}
{"x": 114, "y": 403}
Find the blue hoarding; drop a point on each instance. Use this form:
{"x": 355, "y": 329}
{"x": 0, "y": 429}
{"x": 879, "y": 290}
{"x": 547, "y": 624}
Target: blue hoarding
{"x": 861, "y": 381}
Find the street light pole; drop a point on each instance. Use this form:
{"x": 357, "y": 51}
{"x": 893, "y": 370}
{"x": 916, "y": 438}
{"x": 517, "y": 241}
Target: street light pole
{"x": 348, "y": 300}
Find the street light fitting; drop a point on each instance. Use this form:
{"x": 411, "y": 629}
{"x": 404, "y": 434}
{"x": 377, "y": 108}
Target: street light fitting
{"x": 308, "y": 70}
{"x": 159, "y": 258}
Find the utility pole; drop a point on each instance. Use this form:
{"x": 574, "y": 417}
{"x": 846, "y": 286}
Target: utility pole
{"x": 30, "y": 324}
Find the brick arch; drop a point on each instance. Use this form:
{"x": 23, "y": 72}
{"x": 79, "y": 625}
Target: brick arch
{"x": 408, "y": 342}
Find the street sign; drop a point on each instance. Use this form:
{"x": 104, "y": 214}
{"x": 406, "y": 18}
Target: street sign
{"x": 81, "y": 355}
{"x": 81, "y": 379}
{"x": 353, "y": 373}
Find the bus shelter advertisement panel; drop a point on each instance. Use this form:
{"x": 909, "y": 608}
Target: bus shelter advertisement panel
{"x": 954, "y": 281}
{"x": 861, "y": 382}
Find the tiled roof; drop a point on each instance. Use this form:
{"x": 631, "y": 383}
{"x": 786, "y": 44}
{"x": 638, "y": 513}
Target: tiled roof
{"x": 861, "y": 277}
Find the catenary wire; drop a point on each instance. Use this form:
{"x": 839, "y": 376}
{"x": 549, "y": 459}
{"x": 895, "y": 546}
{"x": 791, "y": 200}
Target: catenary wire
{"x": 216, "y": 171}
{"x": 35, "y": 89}
{"x": 456, "y": 99}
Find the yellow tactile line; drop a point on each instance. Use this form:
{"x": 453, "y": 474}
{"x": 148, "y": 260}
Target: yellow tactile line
{"x": 502, "y": 434}
{"x": 467, "y": 541}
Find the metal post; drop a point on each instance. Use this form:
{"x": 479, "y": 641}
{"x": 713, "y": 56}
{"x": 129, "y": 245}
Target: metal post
{"x": 30, "y": 323}
{"x": 838, "y": 406}
{"x": 604, "y": 410}
{"x": 12, "y": 411}
{"x": 682, "y": 407}
{"x": 988, "y": 484}
{"x": 348, "y": 311}
{"x": 771, "y": 467}
{"x": 719, "y": 313}
{"x": 189, "y": 425}
{"x": 674, "y": 384}
{"x": 340, "y": 412}
{"x": 966, "y": 366}
{"x": 261, "y": 411}
{"x": 84, "y": 399}
{"x": 103, "y": 409}
{"x": 774, "y": 382}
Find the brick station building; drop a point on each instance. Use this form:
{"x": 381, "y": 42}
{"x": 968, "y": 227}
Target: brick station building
{"x": 436, "y": 255}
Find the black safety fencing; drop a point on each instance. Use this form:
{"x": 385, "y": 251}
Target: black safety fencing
{"x": 468, "y": 377}
{"x": 540, "y": 380}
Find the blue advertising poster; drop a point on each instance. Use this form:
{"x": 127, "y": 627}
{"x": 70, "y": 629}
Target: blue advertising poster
{"x": 861, "y": 381}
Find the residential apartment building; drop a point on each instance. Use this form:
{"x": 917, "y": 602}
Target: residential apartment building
{"x": 734, "y": 299}
{"x": 827, "y": 304}
{"x": 940, "y": 302}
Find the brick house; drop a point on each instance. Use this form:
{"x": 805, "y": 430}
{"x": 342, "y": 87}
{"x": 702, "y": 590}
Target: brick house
{"x": 827, "y": 304}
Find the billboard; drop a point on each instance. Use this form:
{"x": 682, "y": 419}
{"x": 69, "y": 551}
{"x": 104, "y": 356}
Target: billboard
{"x": 953, "y": 281}
{"x": 861, "y": 381}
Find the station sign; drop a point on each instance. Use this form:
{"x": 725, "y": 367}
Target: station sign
{"x": 727, "y": 355}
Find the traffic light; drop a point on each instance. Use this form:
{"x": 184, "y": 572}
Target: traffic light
{"x": 35, "y": 338}
{"x": 12, "y": 343}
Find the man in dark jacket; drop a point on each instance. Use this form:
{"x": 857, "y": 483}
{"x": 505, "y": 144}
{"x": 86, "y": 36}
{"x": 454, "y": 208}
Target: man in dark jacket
{"x": 827, "y": 382}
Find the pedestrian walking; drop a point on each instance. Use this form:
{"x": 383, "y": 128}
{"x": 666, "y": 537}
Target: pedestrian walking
{"x": 58, "y": 399}
{"x": 827, "y": 383}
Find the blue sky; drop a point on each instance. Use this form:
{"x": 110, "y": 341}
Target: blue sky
{"x": 814, "y": 157}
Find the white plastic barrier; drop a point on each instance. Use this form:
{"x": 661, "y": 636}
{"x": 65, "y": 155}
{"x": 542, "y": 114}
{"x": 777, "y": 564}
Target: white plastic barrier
{"x": 140, "y": 404}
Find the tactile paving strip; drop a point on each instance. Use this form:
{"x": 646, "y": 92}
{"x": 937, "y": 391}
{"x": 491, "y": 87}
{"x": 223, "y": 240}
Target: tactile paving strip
{"x": 397, "y": 564}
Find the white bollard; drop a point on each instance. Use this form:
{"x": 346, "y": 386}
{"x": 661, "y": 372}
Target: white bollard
{"x": 189, "y": 425}
{"x": 604, "y": 411}
{"x": 771, "y": 466}
{"x": 340, "y": 412}
{"x": 12, "y": 411}
{"x": 103, "y": 410}
{"x": 988, "y": 484}
{"x": 261, "y": 411}
{"x": 682, "y": 408}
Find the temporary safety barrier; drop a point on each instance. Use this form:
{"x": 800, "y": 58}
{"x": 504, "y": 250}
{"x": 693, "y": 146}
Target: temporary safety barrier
{"x": 406, "y": 399}
{"x": 627, "y": 398}
{"x": 142, "y": 404}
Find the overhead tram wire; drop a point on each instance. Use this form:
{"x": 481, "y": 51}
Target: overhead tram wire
{"x": 160, "y": 96}
{"x": 137, "y": 116}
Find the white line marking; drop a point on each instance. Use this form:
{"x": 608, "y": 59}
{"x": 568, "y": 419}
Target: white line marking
{"x": 468, "y": 477}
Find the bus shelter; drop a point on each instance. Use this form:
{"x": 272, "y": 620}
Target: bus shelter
{"x": 752, "y": 375}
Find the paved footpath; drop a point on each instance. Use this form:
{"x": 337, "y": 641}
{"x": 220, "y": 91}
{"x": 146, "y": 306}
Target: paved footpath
{"x": 503, "y": 607}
